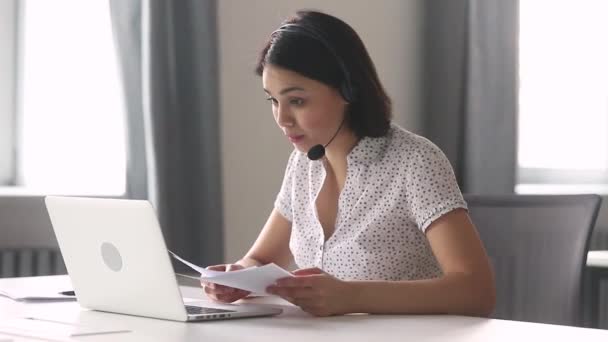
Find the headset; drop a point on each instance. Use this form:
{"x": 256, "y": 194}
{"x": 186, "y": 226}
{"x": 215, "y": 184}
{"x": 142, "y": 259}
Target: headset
{"x": 346, "y": 88}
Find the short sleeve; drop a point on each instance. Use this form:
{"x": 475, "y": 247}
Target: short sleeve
{"x": 432, "y": 190}
{"x": 283, "y": 202}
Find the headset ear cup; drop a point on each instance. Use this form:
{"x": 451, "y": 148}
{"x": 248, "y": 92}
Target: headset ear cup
{"x": 353, "y": 93}
{"x": 346, "y": 92}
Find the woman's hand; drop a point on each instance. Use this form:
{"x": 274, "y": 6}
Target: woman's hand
{"x": 315, "y": 292}
{"x": 223, "y": 293}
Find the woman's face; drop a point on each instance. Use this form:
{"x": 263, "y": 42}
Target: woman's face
{"x": 307, "y": 111}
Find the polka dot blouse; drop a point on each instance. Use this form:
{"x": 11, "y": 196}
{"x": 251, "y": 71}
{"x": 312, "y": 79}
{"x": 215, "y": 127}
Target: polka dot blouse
{"x": 395, "y": 187}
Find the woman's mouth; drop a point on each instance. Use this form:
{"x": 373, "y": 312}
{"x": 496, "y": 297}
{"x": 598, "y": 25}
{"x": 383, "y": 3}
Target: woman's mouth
{"x": 295, "y": 138}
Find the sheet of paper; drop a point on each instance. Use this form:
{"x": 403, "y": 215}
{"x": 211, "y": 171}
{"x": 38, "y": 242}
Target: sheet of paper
{"x": 204, "y": 272}
{"x": 254, "y": 279}
{"x": 38, "y": 295}
{"x": 49, "y": 330}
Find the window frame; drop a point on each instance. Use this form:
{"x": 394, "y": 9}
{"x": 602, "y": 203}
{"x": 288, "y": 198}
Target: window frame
{"x": 11, "y": 181}
{"x": 9, "y": 21}
{"x": 532, "y": 180}
{"x": 560, "y": 181}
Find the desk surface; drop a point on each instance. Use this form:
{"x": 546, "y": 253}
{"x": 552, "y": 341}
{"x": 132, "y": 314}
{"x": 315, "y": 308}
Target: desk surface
{"x": 293, "y": 325}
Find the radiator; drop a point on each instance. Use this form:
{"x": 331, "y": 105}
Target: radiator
{"x": 25, "y": 262}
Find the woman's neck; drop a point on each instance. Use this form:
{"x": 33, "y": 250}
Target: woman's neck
{"x": 336, "y": 153}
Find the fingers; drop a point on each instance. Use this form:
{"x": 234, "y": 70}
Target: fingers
{"x": 307, "y": 271}
{"x": 233, "y": 267}
{"x": 299, "y": 281}
{"x": 218, "y": 289}
{"x": 220, "y": 292}
{"x": 217, "y": 267}
{"x": 313, "y": 290}
{"x": 306, "y": 277}
{"x": 310, "y": 304}
{"x": 224, "y": 293}
{"x": 212, "y": 288}
{"x": 302, "y": 287}
{"x": 292, "y": 293}
{"x": 229, "y": 298}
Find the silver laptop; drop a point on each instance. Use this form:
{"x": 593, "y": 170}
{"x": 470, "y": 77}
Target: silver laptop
{"x": 118, "y": 262}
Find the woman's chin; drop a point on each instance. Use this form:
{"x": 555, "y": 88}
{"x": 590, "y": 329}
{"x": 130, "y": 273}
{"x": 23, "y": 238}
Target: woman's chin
{"x": 301, "y": 149}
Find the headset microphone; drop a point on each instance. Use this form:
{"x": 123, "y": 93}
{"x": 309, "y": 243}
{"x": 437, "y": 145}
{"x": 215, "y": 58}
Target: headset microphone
{"x": 318, "y": 151}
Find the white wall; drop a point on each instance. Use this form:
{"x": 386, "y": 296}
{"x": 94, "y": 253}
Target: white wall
{"x": 254, "y": 152}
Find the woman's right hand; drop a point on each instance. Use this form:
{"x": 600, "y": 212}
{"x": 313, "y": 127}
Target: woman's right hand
{"x": 223, "y": 293}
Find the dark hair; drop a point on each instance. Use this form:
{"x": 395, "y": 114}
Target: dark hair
{"x": 369, "y": 113}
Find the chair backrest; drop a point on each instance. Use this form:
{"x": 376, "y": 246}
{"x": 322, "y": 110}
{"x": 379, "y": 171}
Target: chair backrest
{"x": 538, "y": 247}
{"x": 28, "y": 246}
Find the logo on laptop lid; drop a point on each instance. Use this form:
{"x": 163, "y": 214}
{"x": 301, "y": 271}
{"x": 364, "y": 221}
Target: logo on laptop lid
{"x": 111, "y": 256}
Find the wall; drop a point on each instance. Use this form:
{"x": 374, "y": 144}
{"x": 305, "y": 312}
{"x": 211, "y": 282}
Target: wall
{"x": 254, "y": 152}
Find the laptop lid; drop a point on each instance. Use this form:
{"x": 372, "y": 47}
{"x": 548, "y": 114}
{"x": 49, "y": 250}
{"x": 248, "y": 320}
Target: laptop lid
{"x": 117, "y": 259}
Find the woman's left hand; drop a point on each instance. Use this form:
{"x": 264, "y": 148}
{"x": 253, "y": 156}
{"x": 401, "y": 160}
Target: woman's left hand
{"x": 315, "y": 291}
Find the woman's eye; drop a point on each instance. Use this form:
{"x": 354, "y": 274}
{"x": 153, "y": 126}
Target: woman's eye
{"x": 296, "y": 102}
{"x": 272, "y": 99}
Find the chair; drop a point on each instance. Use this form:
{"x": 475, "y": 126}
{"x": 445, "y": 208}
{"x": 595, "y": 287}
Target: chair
{"x": 538, "y": 247}
{"x": 27, "y": 243}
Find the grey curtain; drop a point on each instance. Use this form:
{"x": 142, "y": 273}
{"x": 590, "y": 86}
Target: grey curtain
{"x": 168, "y": 54}
{"x": 470, "y": 104}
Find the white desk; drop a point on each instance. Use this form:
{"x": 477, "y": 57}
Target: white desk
{"x": 293, "y": 325}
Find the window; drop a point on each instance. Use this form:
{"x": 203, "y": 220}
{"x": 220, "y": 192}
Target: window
{"x": 563, "y": 97}
{"x": 70, "y": 113}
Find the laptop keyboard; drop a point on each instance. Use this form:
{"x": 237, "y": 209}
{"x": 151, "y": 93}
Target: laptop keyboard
{"x": 199, "y": 310}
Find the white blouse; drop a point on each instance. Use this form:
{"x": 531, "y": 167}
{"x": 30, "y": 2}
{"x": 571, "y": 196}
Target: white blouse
{"x": 395, "y": 187}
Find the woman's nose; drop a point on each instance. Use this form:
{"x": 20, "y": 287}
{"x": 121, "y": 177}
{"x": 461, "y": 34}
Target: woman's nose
{"x": 283, "y": 117}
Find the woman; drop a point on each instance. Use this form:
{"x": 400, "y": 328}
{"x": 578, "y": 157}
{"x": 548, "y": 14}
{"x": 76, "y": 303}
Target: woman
{"x": 373, "y": 217}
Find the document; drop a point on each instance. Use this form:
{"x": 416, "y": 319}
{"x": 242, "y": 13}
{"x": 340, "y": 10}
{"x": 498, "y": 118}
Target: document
{"x": 49, "y": 330}
{"x": 37, "y": 295}
{"x": 253, "y": 279}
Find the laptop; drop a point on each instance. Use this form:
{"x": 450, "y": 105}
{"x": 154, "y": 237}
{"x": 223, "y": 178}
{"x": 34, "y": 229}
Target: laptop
{"x": 116, "y": 257}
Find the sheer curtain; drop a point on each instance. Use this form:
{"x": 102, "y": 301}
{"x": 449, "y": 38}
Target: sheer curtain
{"x": 471, "y": 89}
{"x": 168, "y": 54}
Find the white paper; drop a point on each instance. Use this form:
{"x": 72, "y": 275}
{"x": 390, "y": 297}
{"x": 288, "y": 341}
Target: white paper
{"x": 35, "y": 295}
{"x": 49, "y": 330}
{"x": 204, "y": 272}
{"x": 253, "y": 279}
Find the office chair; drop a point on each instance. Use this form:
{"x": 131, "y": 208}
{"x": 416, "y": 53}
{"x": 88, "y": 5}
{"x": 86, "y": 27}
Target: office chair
{"x": 27, "y": 243}
{"x": 538, "y": 247}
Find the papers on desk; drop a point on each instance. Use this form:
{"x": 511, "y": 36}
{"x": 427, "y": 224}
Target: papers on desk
{"x": 253, "y": 279}
{"x": 49, "y": 330}
{"x": 40, "y": 295}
